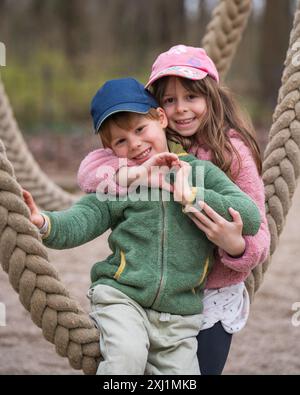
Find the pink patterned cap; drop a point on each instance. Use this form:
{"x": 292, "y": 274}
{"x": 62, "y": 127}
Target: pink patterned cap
{"x": 183, "y": 61}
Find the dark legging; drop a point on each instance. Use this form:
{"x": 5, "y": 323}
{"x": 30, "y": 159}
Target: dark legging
{"x": 213, "y": 348}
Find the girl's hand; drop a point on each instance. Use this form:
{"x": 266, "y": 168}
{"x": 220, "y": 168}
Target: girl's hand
{"x": 36, "y": 218}
{"x": 224, "y": 234}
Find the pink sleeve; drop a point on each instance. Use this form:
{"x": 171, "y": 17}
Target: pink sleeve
{"x": 98, "y": 169}
{"x": 249, "y": 181}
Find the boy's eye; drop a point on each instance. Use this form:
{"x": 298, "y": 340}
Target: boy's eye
{"x": 118, "y": 142}
{"x": 140, "y": 129}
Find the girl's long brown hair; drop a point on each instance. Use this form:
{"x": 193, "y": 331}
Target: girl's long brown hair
{"x": 222, "y": 115}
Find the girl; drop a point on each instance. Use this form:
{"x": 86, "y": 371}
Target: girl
{"x": 203, "y": 117}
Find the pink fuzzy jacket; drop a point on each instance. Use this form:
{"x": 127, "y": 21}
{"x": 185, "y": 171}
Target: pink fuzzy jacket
{"x": 226, "y": 270}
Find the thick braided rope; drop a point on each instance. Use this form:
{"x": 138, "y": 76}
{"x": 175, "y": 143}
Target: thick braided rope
{"x": 281, "y": 166}
{"x": 47, "y": 194}
{"x": 24, "y": 258}
{"x": 225, "y": 30}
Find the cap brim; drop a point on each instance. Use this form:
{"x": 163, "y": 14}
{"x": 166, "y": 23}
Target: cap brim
{"x": 139, "y": 108}
{"x": 185, "y": 72}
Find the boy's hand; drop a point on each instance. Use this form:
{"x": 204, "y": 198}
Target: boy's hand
{"x": 157, "y": 168}
{"x": 163, "y": 159}
{"x": 182, "y": 188}
{"x": 36, "y": 218}
{"x": 151, "y": 173}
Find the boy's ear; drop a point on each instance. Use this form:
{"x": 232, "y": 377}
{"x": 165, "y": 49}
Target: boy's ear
{"x": 162, "y": 117}
{"x": 101, "y": 142}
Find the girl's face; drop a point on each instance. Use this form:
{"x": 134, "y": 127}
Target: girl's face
{"x": 146, "y": 138}
{"x": 184, "y": 109}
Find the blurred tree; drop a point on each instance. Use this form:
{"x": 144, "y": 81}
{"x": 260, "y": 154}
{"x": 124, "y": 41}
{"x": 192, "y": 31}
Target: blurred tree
{"x": 2, "y": 12}
{"x": 197, "y": 19}
{"x": 277, "y": 22}
{"x": 137, "y": 28}
{"x": 172, "y": 22}
{"x": 39, "y": 13}
{"x": 73, "y": 21}
{"x": 2, "y": 5}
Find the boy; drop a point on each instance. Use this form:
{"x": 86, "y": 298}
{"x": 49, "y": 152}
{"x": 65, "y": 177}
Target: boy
{"x": 146, "y": 296}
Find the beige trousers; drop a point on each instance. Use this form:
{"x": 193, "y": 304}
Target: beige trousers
{"x": 138, "y": 341}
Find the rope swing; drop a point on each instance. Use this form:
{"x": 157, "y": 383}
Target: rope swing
{"x": 22, "y": 254}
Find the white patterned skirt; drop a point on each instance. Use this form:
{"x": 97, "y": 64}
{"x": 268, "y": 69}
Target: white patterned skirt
{"x": 230, "y": 305}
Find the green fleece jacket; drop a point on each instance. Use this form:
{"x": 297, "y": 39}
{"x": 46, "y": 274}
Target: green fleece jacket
{"x": 159, "y": 257}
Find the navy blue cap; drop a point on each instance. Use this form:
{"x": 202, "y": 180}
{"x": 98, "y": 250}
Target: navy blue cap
{"x": 124, "y": 94}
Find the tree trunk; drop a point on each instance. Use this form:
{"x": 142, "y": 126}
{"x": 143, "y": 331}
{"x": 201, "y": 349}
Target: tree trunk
{"x": 277, "y": 22}
{"x": 72, "y": 15}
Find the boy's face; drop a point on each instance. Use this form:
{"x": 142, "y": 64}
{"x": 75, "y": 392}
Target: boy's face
{"x": 145, "y": 139}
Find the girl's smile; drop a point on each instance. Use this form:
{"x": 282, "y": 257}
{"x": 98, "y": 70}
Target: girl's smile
{"x": 185, "y": 124}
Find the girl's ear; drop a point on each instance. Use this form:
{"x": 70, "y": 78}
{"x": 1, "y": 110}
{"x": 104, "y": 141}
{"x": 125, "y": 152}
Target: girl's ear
{"x": 162, "y": 117}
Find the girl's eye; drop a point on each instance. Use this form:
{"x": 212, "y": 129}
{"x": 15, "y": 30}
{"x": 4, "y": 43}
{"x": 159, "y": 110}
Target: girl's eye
{"x": 192, "y": 96}
{"x": 168, "y": 100}
{"x": 119, "y": 142}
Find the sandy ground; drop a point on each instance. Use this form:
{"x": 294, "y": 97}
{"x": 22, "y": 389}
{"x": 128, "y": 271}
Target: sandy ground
{"x": 268, "y": 345}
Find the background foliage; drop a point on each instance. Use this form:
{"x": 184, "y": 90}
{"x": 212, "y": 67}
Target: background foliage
{"x": 60, "y": 51}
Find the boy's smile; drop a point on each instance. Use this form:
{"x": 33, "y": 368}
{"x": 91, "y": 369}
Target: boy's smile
{"x": 144, "y": 154}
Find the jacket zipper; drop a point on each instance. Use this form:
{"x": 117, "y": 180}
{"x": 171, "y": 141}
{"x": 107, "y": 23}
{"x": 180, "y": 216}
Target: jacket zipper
{"x": 121, "y": 266}
{"x": 162, "y": 255}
